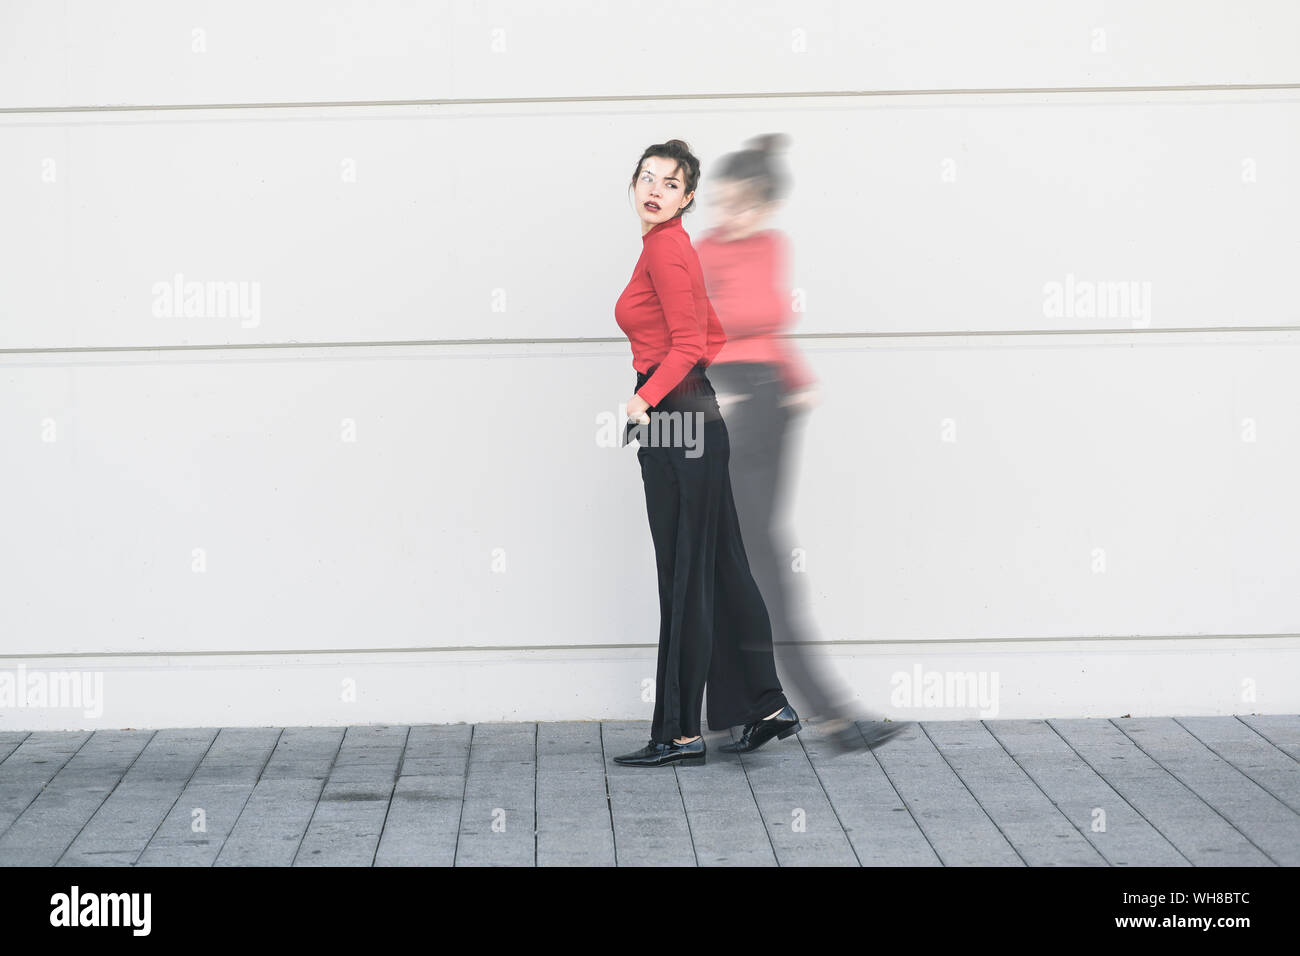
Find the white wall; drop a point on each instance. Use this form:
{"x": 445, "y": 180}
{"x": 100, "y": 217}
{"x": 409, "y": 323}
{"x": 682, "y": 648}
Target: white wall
{"x": 440, "y": 275}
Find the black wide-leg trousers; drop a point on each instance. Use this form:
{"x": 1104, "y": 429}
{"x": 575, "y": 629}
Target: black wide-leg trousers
{"x": 714, "y": 630}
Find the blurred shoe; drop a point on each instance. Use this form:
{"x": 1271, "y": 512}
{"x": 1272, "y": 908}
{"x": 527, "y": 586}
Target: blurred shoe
{"x": 849, "y": 736}
{"x": 879, "y": 733}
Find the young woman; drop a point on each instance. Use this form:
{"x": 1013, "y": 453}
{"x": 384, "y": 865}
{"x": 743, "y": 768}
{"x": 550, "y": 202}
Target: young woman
{"x": 714, "y": 628}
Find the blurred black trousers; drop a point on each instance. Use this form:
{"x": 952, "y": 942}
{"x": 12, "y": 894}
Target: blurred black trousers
{"x": 762, "y": 430}
{"x": 714, "y": 629}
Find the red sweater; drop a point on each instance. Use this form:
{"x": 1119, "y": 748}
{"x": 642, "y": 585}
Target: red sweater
{"x": 665, "y": 311}
{"x": 748, "y": 280}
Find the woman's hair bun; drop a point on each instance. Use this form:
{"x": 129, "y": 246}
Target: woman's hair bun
{"x": 770, "y": 142}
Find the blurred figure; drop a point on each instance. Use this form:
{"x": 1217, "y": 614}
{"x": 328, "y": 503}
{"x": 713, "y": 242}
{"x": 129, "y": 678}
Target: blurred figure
{"x": 764, "y": 388}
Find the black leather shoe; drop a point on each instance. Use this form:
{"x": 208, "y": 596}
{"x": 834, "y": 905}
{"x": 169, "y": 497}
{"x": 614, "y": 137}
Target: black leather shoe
{"x": 761, "y": 731}
{"x": 655, "y": 754}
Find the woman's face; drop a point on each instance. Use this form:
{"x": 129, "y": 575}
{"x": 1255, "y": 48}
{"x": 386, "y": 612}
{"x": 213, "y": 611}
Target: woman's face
{"x": 660, "y": 190}
{"x": 739, "y": 212}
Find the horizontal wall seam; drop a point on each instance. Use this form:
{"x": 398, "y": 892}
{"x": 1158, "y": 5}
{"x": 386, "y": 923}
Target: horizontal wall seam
{"x": 517, "y": 648}
{"x": 641, "y": 97}
{"x": 591, "y": 340}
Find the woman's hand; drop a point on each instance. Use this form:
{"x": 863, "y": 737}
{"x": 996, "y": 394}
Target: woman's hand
{"x": 636, "y": 408}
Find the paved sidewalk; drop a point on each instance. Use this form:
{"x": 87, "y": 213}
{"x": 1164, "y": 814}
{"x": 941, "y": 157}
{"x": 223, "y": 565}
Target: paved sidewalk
{"x": 1187, "y": 791}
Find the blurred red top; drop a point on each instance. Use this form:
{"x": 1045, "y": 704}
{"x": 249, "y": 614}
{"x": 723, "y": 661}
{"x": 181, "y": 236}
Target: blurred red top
{"x": 748, "y": 283}
{"x": 666, "y": 312}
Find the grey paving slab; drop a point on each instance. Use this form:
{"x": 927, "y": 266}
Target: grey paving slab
{"x": 956, "y": 826}
{"x": 29, "y": 767}
{"x": 275, "y": 817}
{"x": 1199, "y": 833}
{"x": 1260, "y": 817}
{"x": 875, "y": 819}
{"x": 799, "y": 817}
{"x": 498, "y": 825}
{"x": 126, "y": 821}
{"x": 204, "y": 815}
{"x": 1118, "y": 832}
{"x": 51, "y": 822}
{"x": 1241, "y": 745}
{"x": 1187, "y": 791}
{"x": 1281, "y": 730}
{"x": 649, "y": 817}
{"x": 11, "y": 740}
{"x": 197, "y": 826}
{"x": 726, "y": 822}
{"x": 1029, "y": 820}
{"x": 424, "y": 818}
{"x": 574, "y": 822}
{"x": 353, "y": 806}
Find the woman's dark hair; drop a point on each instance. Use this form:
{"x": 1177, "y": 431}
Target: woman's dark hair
{"x": 678, "y": 150}
{"x": 758, "y": 164}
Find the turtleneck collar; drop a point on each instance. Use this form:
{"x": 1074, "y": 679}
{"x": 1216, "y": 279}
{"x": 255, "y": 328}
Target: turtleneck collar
{"x": 673, "y": 223}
